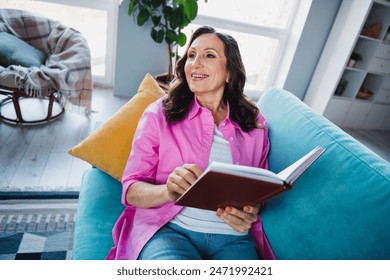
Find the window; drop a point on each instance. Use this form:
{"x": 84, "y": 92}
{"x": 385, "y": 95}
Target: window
{"x": 261, "y": 29}
{"x": 96, "y": 19}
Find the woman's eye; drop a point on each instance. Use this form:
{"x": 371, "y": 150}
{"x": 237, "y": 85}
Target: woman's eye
{"x": 209, "y": 55}
{"x": 191, "y": 55}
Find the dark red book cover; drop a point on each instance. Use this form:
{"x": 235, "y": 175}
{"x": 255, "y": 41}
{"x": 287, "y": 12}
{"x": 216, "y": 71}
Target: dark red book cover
{"x": 223, "y": 184}
{"x": 217, "y": 190}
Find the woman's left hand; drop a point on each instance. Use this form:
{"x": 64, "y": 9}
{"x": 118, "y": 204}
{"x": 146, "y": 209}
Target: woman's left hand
{"x": 239, "y": 220}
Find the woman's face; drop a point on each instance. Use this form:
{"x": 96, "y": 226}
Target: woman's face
{"x": 205, "y": 68}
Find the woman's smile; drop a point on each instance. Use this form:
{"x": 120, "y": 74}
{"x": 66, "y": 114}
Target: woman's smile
{"x": 198, "y": 76}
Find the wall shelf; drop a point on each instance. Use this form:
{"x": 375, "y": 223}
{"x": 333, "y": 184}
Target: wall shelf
{"x": 355, "y": 95}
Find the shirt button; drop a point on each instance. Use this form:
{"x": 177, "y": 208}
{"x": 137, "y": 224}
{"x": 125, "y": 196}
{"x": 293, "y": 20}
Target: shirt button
{"x": 231, "y": 138}
{"x": 223, "y": 123}
{"x": 237, "y": 163}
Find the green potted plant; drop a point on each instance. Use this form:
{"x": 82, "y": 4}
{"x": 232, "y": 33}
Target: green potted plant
{"x": 168, "y": 17}
{"x": 355, "y": 57}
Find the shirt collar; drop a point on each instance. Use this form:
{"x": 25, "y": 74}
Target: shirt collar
{"x": 195, "y": 108}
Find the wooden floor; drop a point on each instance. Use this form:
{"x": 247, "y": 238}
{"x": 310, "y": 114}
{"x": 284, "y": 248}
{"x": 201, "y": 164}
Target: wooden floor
{"x": 376, "y": 140}
{"x": 34, "y": 158}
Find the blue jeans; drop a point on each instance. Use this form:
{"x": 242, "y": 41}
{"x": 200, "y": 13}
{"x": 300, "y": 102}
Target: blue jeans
{"x": 173, "y": 242}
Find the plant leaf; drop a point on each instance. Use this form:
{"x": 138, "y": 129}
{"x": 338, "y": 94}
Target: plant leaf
{"x": 184, "y": 22}
{"x": 182, "y": 39}
{"x": 191, "y": 9}
{"x": 131, "y": 7}
{"x": 160, "y": 35}
{"x": 167, "y": 12}
{"x": 177, "y": 16}
{"x": 170, "y": 37}
{"x": 157, "y": 35}
{"x": 143, "y": 16}
{"x": 156, "y": 20}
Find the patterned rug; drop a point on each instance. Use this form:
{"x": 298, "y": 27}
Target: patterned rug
{"x": 39, "y": 229}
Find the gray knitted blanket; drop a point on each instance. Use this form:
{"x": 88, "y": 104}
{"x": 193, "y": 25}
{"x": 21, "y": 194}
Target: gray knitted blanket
{"x": 67, "y": 69}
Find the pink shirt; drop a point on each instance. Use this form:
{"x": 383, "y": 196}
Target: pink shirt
{"x": 158, "y": 148}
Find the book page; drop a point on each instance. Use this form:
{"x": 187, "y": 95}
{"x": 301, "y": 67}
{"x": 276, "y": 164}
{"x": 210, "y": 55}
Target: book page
{"x": 292, "y": 172}
{"x": 244, "y": 171}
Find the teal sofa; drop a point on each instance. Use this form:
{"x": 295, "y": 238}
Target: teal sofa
{"x": 338, "y": 209}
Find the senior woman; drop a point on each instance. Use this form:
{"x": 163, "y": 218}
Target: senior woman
{"x": 205, "y": 117}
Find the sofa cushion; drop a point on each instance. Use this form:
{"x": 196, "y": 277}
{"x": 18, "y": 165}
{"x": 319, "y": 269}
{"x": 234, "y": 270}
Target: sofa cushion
{"x": 108, "y": 147}
{"x": 14, "y": 51}
{"x": 339, "y": 208}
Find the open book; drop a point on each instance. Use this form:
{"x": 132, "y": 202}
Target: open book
{"x": 224, "y": 184}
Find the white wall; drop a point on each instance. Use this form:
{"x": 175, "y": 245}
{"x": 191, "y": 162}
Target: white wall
{"x": 136, "y": 54}
{"x": 315, "y": 33}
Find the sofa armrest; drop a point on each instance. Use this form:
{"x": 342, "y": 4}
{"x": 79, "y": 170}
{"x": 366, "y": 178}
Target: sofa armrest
{"x": 99, "y": 206}
{"x": 339, "y": 208}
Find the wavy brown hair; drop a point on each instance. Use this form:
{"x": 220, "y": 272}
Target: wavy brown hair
{"x": 180, "y": 97}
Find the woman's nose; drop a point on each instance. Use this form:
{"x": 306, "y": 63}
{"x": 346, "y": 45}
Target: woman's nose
{"x": 197, "y": 62}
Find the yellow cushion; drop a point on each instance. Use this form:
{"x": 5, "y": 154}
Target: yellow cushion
{"x": 108, "y": 147}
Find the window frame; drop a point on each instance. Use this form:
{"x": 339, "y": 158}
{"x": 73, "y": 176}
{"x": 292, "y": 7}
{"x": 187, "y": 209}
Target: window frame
{"x": 280, "y": 34}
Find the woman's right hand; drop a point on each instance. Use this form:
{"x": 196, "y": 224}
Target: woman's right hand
{"x": 181, "y": 178}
